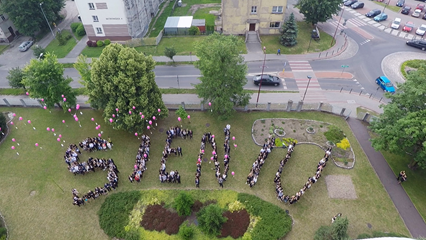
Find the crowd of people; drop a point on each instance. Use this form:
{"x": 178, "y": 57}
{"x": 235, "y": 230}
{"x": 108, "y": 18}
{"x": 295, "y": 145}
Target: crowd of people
{"x": 142, "y": 157}
{"x": 311, "y": 180}
{"x": 77, "y": 167}
{"x": 206, "y": 138}
{"x": 261, "y": 158}
{"x": 174, "y": 132}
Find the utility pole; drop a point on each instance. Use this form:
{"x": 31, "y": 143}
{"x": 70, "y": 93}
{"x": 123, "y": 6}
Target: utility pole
{"x": 261, "y": 76}
{"x": 306, "y": 90}
{"x": 338, "y": 24}
{"x": 46, "y": 20}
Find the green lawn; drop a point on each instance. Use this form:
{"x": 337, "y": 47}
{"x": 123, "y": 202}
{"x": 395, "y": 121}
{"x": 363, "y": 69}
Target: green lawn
{"x": 36, "y": 200}
{"x": 3, "y": 48}
{"x": 61, "y": 51}
{"x": 203, "y": 13}
{"x": 92, "y": 52}
{"x": 304, "y": 35}
{"x": 161, "y": 20}
{"x": 415, "y": 63}
{"x": 184, "y": 11}
{"x": 390, "y": 7}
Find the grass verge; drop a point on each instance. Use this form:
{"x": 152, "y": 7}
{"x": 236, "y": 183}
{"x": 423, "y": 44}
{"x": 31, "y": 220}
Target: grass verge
{"x": 61, "y": 51}
{"x": 3, "y": 48}
{"x": 41, "y": 195}
{"x": 391, "y": 7}
{"x": 92, "y": 52}
{"x": 303, "y": 37}
{"x": 415, "y": 63}
{"x": 161, "y": 20}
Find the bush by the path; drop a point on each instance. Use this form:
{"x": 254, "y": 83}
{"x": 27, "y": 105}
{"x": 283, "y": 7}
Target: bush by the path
{"x": 210, "y": 219}
{"x": 183, "y": 204}
{"x": 158, "y": 218}
{"x": 186, "y": 232}
{"x": 236, "y": 225}
{"x": 114, "y": 212}
{"x": 275, "y": 223}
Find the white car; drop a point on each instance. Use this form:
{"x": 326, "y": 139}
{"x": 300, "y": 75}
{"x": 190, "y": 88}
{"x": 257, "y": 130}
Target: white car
{"x": 416, "y": 13}
{"x": 421, "y": 30}
{"x": 396, "y": 23}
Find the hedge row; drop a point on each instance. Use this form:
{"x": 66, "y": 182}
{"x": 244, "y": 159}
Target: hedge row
{"x": 114, "y": 213}
{"x": 275, "y": 223}
{"x": 98, "y": 43}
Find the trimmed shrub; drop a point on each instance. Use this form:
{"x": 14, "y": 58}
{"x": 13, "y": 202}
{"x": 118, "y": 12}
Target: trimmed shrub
{"x": 278, "y": 142}
{"x": 80, "y": 31}
{"x": 334, "y": 134}
{"x": 67, "y": 37}
{"x": 15, "y": 77}
{"x": 275, "y": 222}
{"x": 210, "y": 219}
{"x": 89, "y": 43}
{"x": 193, "y": 30}
{"x": 107, "y": 42}
{"x": 183, "y": 204}
{"x": 100, "y": 43}
{"x": 61, "y": 38}
{"x": 186, "y": 232}
{"x": 94, "y": 44}
{"x": 37, "y": 50}
{"x": 344, "y": 144}
{"x": 114, "y": 213}
{"x": 74, "y": 26}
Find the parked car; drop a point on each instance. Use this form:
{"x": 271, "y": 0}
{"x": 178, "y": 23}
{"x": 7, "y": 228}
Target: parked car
{"x": 25, "y": 46}
{"x": 416, "y": 13}
{"x": 420, "y": 6}
{"x": 400, "y": 3}
{"x": 267, "y": 80}
{"x": 408, "y": 27}
{"x": 357, "y": 5}
{"x": 350, "y": 2}
{"x": 421, "y": 30}
{"x": 406, "y": 10}
{"x": 381, "y": 17}
{"x": 396, "y": 23}
{"x": 420, "y": 44}
{"x": 385, "y": 84}
{"x": 373, "y": 13}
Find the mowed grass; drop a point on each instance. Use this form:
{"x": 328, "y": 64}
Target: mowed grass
{"x": 3, "y": 48}
{"x": 161, "y": 20}
{"x": 184, "y": 10}
{"x": 61, "y": 51}
{"x": 49, "y": 214}
{"x": 203, "y": 13}
{"x": 303, "y": 37}
{"x": 390, "y": 7}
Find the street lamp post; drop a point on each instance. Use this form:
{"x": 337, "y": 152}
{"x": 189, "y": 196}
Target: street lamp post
{"x": 46, "y": 19}
{"x": 261, "y": 76}
{"x": 332, "y": 40}
{"x": 306, "y": 90}
{"x": 386, "y": 4}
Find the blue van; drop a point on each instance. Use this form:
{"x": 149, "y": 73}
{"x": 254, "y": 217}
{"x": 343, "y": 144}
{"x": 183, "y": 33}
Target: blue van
{"x": 385, "y": 84}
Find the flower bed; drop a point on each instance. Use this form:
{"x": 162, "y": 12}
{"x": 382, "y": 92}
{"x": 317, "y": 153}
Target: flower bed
{"x": 236, "y": 225}
{"x": 157, "y": 218}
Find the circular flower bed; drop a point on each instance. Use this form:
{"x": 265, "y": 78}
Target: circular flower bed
{"x": 310, "y": 130}
{"x": 279, "y": 132}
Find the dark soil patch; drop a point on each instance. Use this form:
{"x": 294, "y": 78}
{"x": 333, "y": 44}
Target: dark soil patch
{"x": 157, "y": 218}
{"x": 236, "y": 225}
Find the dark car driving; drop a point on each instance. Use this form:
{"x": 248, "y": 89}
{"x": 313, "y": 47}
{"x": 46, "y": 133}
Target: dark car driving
{"x": 267, "y": 80}
{"x": 373, "y": 13}
{"x": 357, "y": 5}
{"x": 420, "y": 44}
{"x": 406, "y": 10}
{"x": 400, "y": 3}
{"x": 350, "y": 2}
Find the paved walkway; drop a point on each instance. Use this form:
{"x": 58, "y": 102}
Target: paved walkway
{"x": 402, "y": 202}
{"x": 78, "y": 48}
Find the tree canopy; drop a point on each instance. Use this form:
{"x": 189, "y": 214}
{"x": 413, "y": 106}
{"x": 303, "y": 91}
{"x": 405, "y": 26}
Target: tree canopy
{"x": 15, "y": 77}
{"x": 27, "y": 16}
{"x": 401, "y": 128}
{"x": 45, "y": 79}
{"x": 123, "y": 79}
{"x": 315, "y": 11}
{"x": 210, "y": 219}
{"x": 288, "y": 36}
{"x": 223, "y": 73}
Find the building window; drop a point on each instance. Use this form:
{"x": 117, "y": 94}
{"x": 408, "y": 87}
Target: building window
{"x": 2, "y": 17}
{"x": 277, "y": 9}
{"x": 274, "y": 24}
{"x": 253, "y": 9}
{"x": 99, "y": 30}
{"x": 95, "y": 18}
{"x": 91, "y": 6}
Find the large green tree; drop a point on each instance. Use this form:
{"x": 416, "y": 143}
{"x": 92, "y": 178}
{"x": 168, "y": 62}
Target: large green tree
{"x": 210, "y": 219}
{"x": 15, "y": 77}
{"x": 123, "y": 79}
{"x": 288, "y": 36}
{"x": 401, "y": 128}
{"x": 45, "y": 79}
{"x": 27, "y": 15}
{"x": 223, "y": 73}
{"x": 315, "y": 11}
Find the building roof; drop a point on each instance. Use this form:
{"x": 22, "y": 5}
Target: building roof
{"x": 178, "y": 22}
{"x": 198, "y": 22}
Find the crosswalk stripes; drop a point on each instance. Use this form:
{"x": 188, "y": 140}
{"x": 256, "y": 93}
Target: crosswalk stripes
{"x": 336, "y": 24}
{"x": 357, "y": 22}
{"x": 300, "y": 66}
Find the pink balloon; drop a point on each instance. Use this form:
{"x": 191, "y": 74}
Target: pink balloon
{"x": 60, "y": 135}
{"x": 92, "y": 119}
{"x": 13, "y": 147}
{"x": 76, "y": 119}
{"x": 136, "y": 134}
{"x": 202, "y": 151}
{"x": 210, "y": 103}
{"x": 29, "y": 121}
{"x": 53, "y": 129}
{"x": 199, "y": 160}
{"x": 48, "y": 129}
{"x": 179, "y": 119}
{"x": 214, "y": 153}
{"x": 14, "y": 114}
{"x": 75, "y": 116}
{"x": 142, "y": 116}
{"x": 42, "y": 99}
{"x": 134, "y": 107}
{"x": 211, "y": 158}
{"x": 235, "y": 145}
{"x": 20, "y": 118}
{"x": 36, "y": 144}
{"x": 58, "y": 139}
{"x": 77, "y": 106}
{"x": 140, "y": 113}
{"x": 226, "y": 156}
{"x": 147, "y": 127}
{"x": 63, "y": 121}
{"x": 144, "y": 155}
{"x": 62, "y": 95}
{"x": 27, "y": 93}
{"x": 45, "y": 107}
{"x": 189, "y": 117}
{"x": 65, "y": 99}
{"x": 159, "y": 110}
{"x": 116, "y": 109}
{"x": 113, "y": 115}
{"x": 97, "y": 127}
{"x": 110, "y": 120}
{"x": 212, "y": 136}
{"x": 153, "y": 117}
{"x": 69, "y": 109}
{"x": 136, "y": 166}
{"x": 13, "y": 140}
{"x": 99, "y": 135}
{"x": 130, "y": 112}
{"x": 11, "y": 123}
{"x": 150, "y": 122}
{"x": 232, "y": 173}
{"x": 233, "y": 138}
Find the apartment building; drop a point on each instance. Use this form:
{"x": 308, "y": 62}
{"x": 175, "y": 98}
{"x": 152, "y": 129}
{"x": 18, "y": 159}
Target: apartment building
{"x": 117, "y": 20}
{"x": 7, "y": 29}
{"x": 239, "y": 16}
